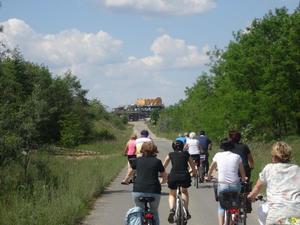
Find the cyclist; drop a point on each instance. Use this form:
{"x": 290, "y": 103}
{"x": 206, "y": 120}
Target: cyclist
{"x": 130, "y": 152}
{"x": 193, "y": 147}
{"x": 139, "y": 142}
{"x": 181, "y": 137}
{"x": 148, "y": 168}
{"x": 229, "y": 164}
{"x": 282, "y": 181}
{"x": 244, "y": 152}
{"x": 206, "y": 145}
{"x": 179, "y": 176}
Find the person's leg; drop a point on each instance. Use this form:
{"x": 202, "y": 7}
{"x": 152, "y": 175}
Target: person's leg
{"x": 221, "y": 212}
{"x": 221, "y": 217}
{"x": 206, "y": 163}
{"x": 185, "y": 197}
{"x": 154, "y": 207}
{"x": 172, "y": 197}
{"x": 129, "y": 174}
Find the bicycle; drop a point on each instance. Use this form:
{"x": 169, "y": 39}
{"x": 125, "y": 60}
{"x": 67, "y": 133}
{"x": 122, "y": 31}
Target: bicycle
{"x": 235, "y": 204}
{"x": 180, "y": 211}
{"x": 197, "y": 177}
{"x": 264, "y": 210}
{"x": 148, "y": 216}
{"x": 201, "y": 168}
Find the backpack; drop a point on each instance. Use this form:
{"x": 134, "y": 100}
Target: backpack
{"x": 134, "y": 216}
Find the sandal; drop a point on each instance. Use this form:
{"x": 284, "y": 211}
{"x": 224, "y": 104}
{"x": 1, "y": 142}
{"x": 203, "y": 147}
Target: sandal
{"x": 125, "y": 182}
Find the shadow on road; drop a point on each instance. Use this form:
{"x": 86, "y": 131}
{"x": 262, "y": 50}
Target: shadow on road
{"x": 108, "y": 192}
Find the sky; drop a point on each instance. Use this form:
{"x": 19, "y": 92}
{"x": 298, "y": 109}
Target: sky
{"x": 122, "y": 50}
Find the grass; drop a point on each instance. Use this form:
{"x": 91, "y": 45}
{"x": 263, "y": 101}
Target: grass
{"x": 62, "y": 190}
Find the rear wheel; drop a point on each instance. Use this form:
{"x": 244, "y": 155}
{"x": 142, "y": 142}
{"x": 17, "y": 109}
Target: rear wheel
{"x": 197, "y": 178}
{"x": 227, "y": 218}
{"x": 201, "y": 173}
{"x": 179, "y": 214}
{"x": 150, "y": 222}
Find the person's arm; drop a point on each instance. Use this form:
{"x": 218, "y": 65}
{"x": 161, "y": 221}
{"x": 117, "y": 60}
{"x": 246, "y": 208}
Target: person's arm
{"x": 164, "y": 177}
{"x": 242, "y": 172}
{"x": 186, "y": 146}
{"x": 212, "y": 167}
{"x": 166, "y": 161}
{"x": 250, "y": 160}
{"x": 209, "y": 145}
{"x": 256, "y": 189}
{"x": 192, "y": 165}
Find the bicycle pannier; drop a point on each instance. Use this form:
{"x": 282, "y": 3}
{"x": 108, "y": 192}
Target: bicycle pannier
{"x": 229, "y": 200}
{"x": 134, "y": 216}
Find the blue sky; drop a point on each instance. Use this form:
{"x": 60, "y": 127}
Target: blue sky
{"x": 122, "y": 50}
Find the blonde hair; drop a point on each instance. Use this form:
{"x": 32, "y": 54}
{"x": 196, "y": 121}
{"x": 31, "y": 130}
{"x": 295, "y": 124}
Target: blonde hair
{"x": 192, "y": 135}
{"x": 281, "y": 151}
{"x": 148, "y": 148}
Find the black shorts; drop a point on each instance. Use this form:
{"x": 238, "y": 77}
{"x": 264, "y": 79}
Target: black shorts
{"x": 131, "y": 159}
{"x": 179, "y": 179}
{"x": 196, "y": 158}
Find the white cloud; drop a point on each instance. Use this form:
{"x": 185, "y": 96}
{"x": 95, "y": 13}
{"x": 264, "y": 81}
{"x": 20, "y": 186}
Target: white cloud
{"x": 95, "y": 58}
{"x": 68, "y": 47}
{"x": 170, "y": 7}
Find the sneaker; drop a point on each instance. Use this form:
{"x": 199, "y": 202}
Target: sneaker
{"x": 188, "y": 215}
{"x": 171, "y": 216}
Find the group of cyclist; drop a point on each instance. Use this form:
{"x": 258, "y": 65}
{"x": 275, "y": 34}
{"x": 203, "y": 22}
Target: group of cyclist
{"x": 233, "y": 163}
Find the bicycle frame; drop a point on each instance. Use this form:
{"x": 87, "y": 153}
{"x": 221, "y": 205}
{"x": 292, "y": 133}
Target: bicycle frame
{"x": 201, "y": 168}
{"x": 235, "y": 213}
{"x": 197, "y": 177}
{"x": 180, "y": 211}
{"x": 148, "y": 217}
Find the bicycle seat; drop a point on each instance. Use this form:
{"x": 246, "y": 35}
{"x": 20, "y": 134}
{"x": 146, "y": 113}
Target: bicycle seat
{"x": 146, "y": 199}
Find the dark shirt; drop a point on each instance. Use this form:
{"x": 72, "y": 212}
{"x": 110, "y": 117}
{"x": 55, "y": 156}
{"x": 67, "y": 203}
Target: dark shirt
{"x": 204, "y": 142}
{"x": 243, "y": 151}
{"x": 179, "y": 160}
{"x": 147, "y": 171}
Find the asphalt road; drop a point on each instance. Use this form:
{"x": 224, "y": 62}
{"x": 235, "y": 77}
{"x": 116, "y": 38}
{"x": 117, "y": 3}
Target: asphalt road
{"x": 111, "y": 207}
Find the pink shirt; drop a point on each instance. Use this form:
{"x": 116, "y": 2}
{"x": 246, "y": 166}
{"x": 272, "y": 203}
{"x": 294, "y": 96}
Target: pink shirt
{"x": 131, "y": 147}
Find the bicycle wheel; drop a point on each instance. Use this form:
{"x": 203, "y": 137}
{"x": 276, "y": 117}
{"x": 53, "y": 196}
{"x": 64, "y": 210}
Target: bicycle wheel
{"x": 197, "y": 179}
{"x": 150, "y": 222}
{"x": 227, "y": 218}
{"x": 179, "y": 213}
{"x": 201, "y": 173}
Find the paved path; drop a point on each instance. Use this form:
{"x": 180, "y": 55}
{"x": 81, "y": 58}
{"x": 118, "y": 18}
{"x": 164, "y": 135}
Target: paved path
{"x": 111, "y": 207}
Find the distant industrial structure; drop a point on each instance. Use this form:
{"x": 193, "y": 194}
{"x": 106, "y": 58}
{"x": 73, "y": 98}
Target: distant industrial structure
{"x": 141, "y": 109}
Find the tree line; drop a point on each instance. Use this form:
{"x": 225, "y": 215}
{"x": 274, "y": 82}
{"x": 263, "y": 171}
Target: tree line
{"x": 38, "y": 108}
{"x": 252, "y": 85}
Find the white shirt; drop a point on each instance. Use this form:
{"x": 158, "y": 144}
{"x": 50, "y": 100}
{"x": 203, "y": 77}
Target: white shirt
{"x": 139, "y": 142}
{"x": 228, "y": 166}
{"x": 283, "y": 190}
{"x": 193, "y": 146}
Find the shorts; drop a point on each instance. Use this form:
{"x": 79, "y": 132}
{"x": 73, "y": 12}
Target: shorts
{"x": 132, "y": 160}
{"x": 196, "y": 158}
{"x": 182, "y": 179}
